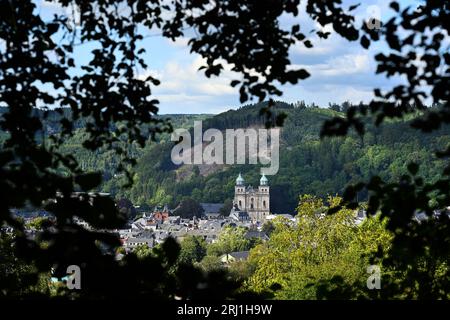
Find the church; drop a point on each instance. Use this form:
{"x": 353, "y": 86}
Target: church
{"x": 255, "y": 202}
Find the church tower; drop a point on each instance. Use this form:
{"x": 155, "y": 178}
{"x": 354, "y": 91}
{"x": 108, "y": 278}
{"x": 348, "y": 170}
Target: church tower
{"x": 256, "y": 202}
{"x": 239, "y": 193}
{"x": 264, "y": 197}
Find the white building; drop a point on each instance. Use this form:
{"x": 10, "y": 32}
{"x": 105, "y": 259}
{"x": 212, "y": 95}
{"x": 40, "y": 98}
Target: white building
{"x": 256, "y": 202}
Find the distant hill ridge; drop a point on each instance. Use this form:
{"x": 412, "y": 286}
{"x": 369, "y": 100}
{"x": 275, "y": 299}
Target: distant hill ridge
{"x": 307, "y": 164}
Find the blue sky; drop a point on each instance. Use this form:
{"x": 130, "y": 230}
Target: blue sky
{"x": 340, "y": 70}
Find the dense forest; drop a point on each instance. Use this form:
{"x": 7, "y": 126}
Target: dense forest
{"x": 308, "y": 164}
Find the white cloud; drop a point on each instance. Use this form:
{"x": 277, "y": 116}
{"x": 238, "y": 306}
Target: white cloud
{"x": 185, "y": 89}
{"x": 182, "y": 98}
{"x": 177, "y": 78}
{"x": 181, "y": 42}
{"x": 340, "y": 70}
{"x": 344, "y": 65}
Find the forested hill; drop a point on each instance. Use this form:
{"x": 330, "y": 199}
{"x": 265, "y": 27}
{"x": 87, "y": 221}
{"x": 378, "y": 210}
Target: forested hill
{"x": 307, "y": 164}
{"x": 319, "y": 167}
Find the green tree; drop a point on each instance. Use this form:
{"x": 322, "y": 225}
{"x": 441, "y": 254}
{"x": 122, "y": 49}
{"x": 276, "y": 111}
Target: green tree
{"x": 225, "y": 210}
{"x": 268, "y": 227}
{"x": 16, "y": 273}
{"x": 39, "y": 223}
{"x": 188, "y": 208}
{"x": 230, "y": 239}
{"x": 193, "y": 249}
{"x": 142, "y": 251}
{"x": 127, "y": 208}
{"x": 316, "y": 249}
{"x": 211, "y": 263}
{"x": 161, "y": 197}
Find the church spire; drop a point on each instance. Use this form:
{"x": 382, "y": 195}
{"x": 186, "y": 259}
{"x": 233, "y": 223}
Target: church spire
{"x": 240, "y": 181}
{"x": 263, "y": 181}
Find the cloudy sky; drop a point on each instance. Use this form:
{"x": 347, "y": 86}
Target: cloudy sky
{"x": 340, "y": 70}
